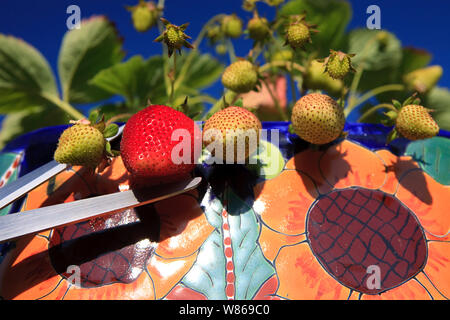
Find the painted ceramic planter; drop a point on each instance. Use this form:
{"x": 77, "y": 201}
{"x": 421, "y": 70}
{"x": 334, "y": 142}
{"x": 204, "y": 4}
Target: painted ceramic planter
{"x": 353, "y": 220}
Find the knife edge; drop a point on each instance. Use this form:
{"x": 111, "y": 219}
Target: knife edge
{"x": 34, "y": 221}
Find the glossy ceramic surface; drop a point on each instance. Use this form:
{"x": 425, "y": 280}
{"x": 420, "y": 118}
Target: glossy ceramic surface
{"x": 351, "y": 220}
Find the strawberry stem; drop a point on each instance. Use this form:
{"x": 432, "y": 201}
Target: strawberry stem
{"x": 63, "y": 105}
{"x": 375, "y": 108}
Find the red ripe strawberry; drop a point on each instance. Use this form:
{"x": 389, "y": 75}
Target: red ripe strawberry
{"x": 147, "y": 145}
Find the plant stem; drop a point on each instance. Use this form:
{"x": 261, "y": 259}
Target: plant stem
{"x": 63, "y": 106}
{"x": 287, "y": 64}
{"x": 375, "y": 108}
{"x": 231, "y": 51}
{"x": 353, "y": 102}
{"x": 378, "y": 90}
{"x": 187, "y": 63}
{"x": 291, "y": 80}
{"x": 173, "y": 77}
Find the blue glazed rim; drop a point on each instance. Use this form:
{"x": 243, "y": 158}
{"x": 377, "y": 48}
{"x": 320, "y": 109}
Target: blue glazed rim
{"x": 39, "y": 145}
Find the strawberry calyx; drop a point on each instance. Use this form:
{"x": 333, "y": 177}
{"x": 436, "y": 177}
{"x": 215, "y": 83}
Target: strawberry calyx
{"x": 174, "y": 37}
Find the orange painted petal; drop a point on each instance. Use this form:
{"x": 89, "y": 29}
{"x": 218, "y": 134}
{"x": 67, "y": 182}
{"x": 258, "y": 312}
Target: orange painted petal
{"x": 284, "y": 201}
{"x": 302, "y": 277}
{"x": 308, "y": 161}
{"x": 271, "y": 241}
{"x": 28, "y": 275}
{"x": 428, "y": 199}
{"x": 411, "y": 290}
{"x": 166, "y": 273}
{"x": 437, "y": 268}
{"x": 396, "y": 168}
{"x": 183, "y": 226}
{"x": 348, "y": 164}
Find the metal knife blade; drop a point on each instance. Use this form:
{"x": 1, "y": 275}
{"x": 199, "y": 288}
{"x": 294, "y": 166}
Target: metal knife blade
{"x": 18, "y": 188}
{"x": 34, "y": 221}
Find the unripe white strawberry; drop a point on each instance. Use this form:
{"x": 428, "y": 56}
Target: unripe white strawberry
{"x": 317, "y": 118}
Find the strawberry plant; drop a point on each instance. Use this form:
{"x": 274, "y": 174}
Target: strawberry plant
{"x": 306, "y": 45}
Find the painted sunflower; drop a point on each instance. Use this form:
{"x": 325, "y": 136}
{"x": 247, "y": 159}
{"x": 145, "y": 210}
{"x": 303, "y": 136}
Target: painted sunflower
{"x": 138, "y": 254}
{"x": 349, "y": 223}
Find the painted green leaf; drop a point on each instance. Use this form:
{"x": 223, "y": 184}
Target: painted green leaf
{"x": 25, "y": 76}
{"x": 251, "y": 269}
{"x": 6, "y": 161}
{"x": 433, "y": 156}
{"x": 84, "y": 52}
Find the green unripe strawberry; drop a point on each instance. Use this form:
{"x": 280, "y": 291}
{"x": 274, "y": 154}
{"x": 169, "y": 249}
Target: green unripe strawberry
{"x": 143, "y": 15}
{"x": 317, "y": 118}
{"x": 81, "y": 145}
{"x": 316, "y": 79}
{"x": 232, "y": 26}
{"x": 338, "y": 64}
{"x": 241, "y": 77}
{"x": 258, "y": 28}
{"x": 297, "y": 35}
{"x": 221, "y": 49}
{"x": 422, "y": 80}
{"x": 282, "y": 55}
{"x": 174, "y": 37}
{"x": 414, "y": 122}
{"x": 214, "y": 33}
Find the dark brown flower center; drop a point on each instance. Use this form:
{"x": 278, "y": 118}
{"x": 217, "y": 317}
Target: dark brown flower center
{"x": 366, "y": 239}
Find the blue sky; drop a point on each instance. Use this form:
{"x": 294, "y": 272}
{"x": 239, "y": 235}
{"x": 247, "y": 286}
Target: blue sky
{"x": 418, "y": 23}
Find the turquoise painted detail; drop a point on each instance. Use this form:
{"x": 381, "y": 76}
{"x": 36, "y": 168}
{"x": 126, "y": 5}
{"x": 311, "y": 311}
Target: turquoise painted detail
{"x": 433, "y": 156}
{"x": 251, "y": 269}
{"x": 6, "y": 160}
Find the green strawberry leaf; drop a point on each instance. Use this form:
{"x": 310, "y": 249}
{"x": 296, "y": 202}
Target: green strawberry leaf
{"x": 25, "y": 76}
{"x": 438, "y": 99}
{"x": 108, "y": 148}
{"x": 397, "y": 104}
{"x": 375, "y": 49}
{"x": 203, "y": 71}
{"x": 111, "y": 130}
{"x": 84, "y": 52}
{"x": 414, "y": 59}
{"x": 17, "y": 123}
{"x": 93, "y": 116}
{"x": 392, "y": 136}
{"x": 136, "y": 80}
